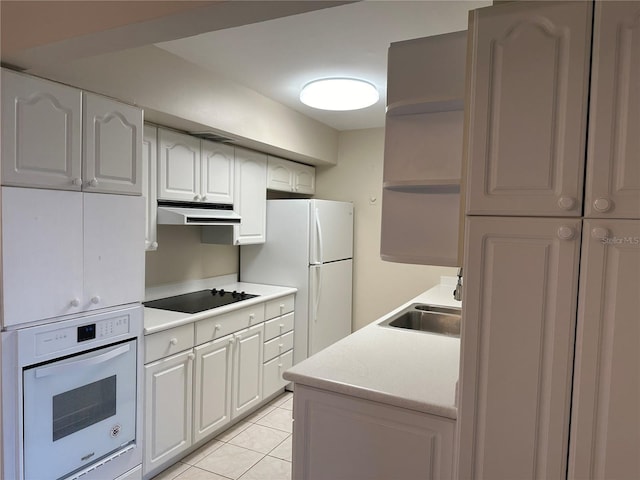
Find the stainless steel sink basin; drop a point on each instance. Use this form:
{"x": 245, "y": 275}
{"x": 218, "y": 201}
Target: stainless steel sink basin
{"x": 427, "y": 318}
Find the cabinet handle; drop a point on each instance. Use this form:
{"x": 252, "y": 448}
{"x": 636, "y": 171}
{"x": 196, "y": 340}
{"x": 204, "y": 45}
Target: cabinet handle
{"x": 279, "y": 365}
{"x": 173, "y": 341}
{"x": 599, "y": 233}
{"x": 75, "y": 302}
{"x": 154, "y": 245}
{"x": 280, "y": 345}
{"x": 93, "y": 182}
{"x": 565, "y": 233}
{"x": 281, "y": 326}
{"x": 204, "y": 198}
{"x": 602, "y": 204}
{"x": 252, "y": 316}
{"x": 197, "y": 198}
{"x": 77, "y": 182}
{"x": 217, "y": 326}
{"x": 281, "y": 308}
{"x": 566, "y": 203}
{"x": 191, "y": 356}
{"x": 95, "y": 300}
{"x": 232, "y": 340}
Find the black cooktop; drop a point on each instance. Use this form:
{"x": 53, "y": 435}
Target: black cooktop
{"x": 200, "y": 301}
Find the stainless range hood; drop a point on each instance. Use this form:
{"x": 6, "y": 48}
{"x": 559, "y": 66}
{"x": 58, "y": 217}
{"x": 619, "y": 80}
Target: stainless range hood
{"x": 196, "y": 213}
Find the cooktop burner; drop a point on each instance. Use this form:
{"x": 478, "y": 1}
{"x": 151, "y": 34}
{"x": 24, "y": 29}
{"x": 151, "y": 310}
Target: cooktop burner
{"x": 200, "y": 301}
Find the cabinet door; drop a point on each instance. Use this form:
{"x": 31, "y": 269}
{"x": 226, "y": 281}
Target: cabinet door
{"x": 212, "y": 388}
{"x": 247, "y": 374}
{"x": 41, "y": 133}
{"x": 113, "y": 250}
{"x": 613, "y": 170}
{"x": 149, "y": 185}
{"x": 41, "y": 254}
{"x": 529, "y": 71}
{"x": 605, "y": 423}
{"x": 250, "y": 198}
{"x": 280, "y": 175}
{"x": 340, "y": 437}
{"x": 178, "y": 166}
{"x": 112, "y": 146}
{"x": 168, "y": 409}
{"x": 217, "y": 172}
{"x": 521, "y": 278}
{"x": 304, "y": 179}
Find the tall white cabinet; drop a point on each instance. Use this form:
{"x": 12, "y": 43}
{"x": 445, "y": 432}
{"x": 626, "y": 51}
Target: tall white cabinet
{"x": 550, "y": 381}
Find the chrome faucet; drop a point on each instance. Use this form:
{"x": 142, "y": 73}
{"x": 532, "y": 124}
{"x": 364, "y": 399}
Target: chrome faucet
{"x": 457, "y": 293}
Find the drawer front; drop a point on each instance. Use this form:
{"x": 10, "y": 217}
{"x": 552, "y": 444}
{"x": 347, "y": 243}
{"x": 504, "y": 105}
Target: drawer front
{"x": 168, "y": 342}
{"x": 278, "y": 326}
{"x": 278, "y": 346}
{"x": 216, "y": 327}
{"x": 279, "y": 306}
{"x": 272, "y": 374}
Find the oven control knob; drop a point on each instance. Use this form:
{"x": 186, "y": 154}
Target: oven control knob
{"x": 115, "y": 430}
{"x": 214, "y": 291}
{"x": 221, "y": 292}
{"x": 95, "y": 300}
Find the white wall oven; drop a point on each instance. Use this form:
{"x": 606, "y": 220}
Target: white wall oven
{"x": 74, "y": 386}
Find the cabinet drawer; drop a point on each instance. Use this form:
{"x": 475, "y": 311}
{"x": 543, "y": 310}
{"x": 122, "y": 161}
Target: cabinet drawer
{"x": 163, "y": 344}
{"x": 272, "y": 374}
{"x": 278, "y": 345}
{"x": 221, "y": 325}
{"x": 278, "y": 326}
{"x": 279, "y": 306}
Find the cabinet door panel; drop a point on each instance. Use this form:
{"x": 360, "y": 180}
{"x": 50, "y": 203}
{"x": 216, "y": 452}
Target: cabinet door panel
{"x": 247, "y": 376}
{"x": 280, "y": 175}
{"x": 212, "y": 389}
{"x": 113, "y": 250}
{"x": 527, "y": 126}
{"x": 168, "y": 393}
{"x": 605, "y": 424}
{"x": 613, "y": 169}
{"x": 112, "y": 146}
{"x": 178, "y": 166}
{"x": 250, "y": 196}
{"x": 305, "y": 179}
{"x": 41, "y": 254}
{"x": 517, "y": 346}
{"x": 217, "y": 172}
{"x": 41, "y": 133}
{"x": 149, "y": 185}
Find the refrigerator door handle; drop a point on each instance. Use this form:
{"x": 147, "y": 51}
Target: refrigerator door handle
{"x": 319, "y": 247}
{"x": 317, "y": 290}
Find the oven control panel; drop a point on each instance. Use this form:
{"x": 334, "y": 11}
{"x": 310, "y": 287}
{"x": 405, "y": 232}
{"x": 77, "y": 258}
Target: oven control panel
{"x": 56, "y": 340}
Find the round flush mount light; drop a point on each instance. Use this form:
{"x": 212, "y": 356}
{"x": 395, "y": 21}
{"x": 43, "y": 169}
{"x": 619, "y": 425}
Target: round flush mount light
{"x": 339, "y": 94}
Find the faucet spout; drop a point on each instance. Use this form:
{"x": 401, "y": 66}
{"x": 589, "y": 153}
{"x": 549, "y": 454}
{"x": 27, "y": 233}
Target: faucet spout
{"x": 457, "y": 293}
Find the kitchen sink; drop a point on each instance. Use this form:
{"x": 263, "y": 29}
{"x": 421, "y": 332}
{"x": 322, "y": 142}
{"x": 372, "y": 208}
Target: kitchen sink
{"x": 427, "y": 318}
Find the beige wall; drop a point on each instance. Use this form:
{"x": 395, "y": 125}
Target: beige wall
{"x": 379, "y": 286}
{"x": 181, "y": 257}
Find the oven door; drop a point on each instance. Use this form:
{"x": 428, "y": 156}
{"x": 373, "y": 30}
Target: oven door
{"x": 78, "y": 410}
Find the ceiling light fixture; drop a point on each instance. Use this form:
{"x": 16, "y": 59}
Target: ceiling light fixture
{"x": 339, "y": 94}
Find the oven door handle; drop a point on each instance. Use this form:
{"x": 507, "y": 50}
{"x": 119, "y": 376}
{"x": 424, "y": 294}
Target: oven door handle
{"x": 85, "y": 362}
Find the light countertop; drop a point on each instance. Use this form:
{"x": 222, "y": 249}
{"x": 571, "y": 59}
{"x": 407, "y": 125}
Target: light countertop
{"x": 156, "y": 320}
{"x": 404, "y": 368}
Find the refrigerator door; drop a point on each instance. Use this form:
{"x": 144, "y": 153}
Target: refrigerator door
{"x": 331, "y": 231}
{"x": 329, "y": 303}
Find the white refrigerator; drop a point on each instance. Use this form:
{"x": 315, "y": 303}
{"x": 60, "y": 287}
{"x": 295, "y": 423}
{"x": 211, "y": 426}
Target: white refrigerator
{"x": 309, "y": 246}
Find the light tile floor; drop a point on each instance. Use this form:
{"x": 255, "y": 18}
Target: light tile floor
{"x": 257, "y": 448}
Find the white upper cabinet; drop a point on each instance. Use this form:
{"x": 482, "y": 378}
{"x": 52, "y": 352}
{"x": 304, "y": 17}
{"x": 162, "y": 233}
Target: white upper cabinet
{"x": 52, "y": 139}
{"x": 179, "y": 166}
{"x": 217, "y": 172}
{"x": 287, "y": 176}
{"x": 112, "y": 146}
{"x": 83, "y": 250}
{"x": 250, "y": 196}
{"x": 41, "y": 133}
{"x": 149, "y": 185}
{"x": 613, "y": 167}
{"x": 529, "y": 70}
{"x": 605, "y": 433}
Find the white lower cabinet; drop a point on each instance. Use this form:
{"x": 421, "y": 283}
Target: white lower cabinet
{"x": 337, "y": 436}
{"x": 168, "y": 409}
{"x": 201, "y": 377}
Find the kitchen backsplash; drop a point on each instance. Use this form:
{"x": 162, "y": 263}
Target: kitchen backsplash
{"x": 181, "y": 257}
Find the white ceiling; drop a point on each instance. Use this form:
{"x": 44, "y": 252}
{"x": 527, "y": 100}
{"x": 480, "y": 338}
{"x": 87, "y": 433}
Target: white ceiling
{"x": 277, "y": 57}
